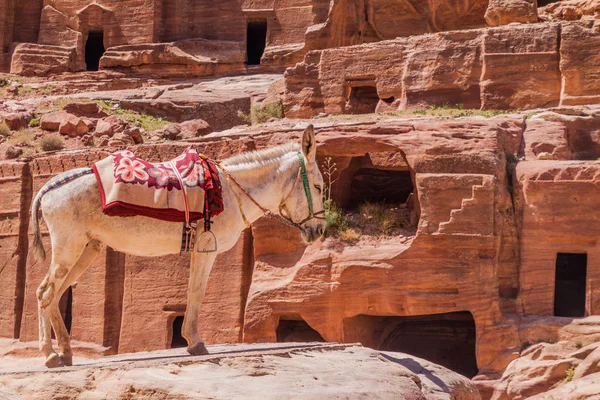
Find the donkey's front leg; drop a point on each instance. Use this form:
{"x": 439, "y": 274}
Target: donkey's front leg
{"x": 199, "y": 271}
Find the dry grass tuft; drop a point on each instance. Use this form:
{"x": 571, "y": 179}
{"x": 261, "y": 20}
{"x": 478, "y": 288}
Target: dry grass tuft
{"x": 52, "y": 143}
{"x": 4, "y": 130}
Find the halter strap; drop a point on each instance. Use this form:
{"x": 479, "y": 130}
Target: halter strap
{"x": 306, "y": 184}
{"x": 280, "y": 217}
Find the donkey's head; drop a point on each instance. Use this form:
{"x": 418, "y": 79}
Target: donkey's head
{"x": 304, "y": 203}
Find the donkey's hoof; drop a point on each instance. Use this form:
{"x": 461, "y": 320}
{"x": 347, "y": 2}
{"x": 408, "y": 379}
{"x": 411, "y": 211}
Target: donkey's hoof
{"x": 67, "y": 360}
{"x": 198, "y": 349}
{"x": 54, "y": 361}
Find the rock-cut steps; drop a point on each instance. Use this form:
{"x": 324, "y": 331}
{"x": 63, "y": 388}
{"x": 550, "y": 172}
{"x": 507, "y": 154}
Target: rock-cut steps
{"x": 470, "y": 219}
{"x": 30, "y": 58}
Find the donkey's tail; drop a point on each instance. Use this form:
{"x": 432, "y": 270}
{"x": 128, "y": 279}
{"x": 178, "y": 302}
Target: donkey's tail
{"x": 38, "y": 248}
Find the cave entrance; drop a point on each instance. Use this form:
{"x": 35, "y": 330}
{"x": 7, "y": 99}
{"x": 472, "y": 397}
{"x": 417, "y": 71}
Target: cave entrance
{"x": 177, "y": 339}
{"x": 447, "y": 339}
{"x": 569, "y": 286}
{"x": 361, "y": 99}
{"x": 94, "y": 49}
{"x": 380, "y": 185}
{"x": 542, "y": 3}
{"x": 66, "y": 308}
{"x": 256, "y": 40}
{"x": 296, "y": 330}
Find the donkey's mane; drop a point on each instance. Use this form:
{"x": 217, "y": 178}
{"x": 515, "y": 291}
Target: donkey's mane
{"x": 261, "y": 157}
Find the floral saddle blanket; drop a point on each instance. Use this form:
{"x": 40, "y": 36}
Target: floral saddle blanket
{"x": 131, "y": 186}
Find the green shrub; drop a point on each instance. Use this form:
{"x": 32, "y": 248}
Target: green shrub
{"x": 264, "y": 113}
{"x": 334, "y": 217}
{"x": 35, "y": 122}
{"x": 259, "y": 114}
{"x": 48, "y": 89}
{"x": 52, "y": 143}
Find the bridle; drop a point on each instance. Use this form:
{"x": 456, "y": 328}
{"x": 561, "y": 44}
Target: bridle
{"x": 281, "y": 217}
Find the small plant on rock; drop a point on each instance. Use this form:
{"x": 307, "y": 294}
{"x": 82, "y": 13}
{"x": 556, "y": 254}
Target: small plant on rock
{"x": 35, "y": 122}
{"x": 52, "y": 143}
{"x": 245, "y": 117}
{"x": 261, "y": 114}
{"x": 329, "y": 169}
{"x": 570, "y": 374}
{"x": 525, "y": 345}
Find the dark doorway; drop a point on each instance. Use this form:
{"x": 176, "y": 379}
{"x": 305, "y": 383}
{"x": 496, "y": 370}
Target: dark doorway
{"x": 569, "y": 286}
{"x": 379, "y": 185}
{"x": 297, "y": 331}
{"x": 177, "y": 339}
{"x": 94, "y": 49}
{"x": 256, "y": 40}
{"x": 447, "y": 339}
{"x": 542, "y": 3}
{"x": 66, "y": 308}
{"x": 362, "y": 100}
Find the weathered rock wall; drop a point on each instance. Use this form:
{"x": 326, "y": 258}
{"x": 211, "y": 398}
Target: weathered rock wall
{"x": 516, "y": 67}
{"x": 355, "y": 22}
{"x": 482, "y": 242}
{"x": 293, "y": 27}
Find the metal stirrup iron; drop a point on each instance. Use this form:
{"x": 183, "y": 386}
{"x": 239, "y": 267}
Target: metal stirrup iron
{"x": 207, "y": 231}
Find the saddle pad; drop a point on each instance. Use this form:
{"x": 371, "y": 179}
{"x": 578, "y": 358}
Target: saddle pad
{"x": 131, "y": 186}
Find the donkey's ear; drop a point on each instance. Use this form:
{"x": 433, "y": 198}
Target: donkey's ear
{"x": 309, "y": 145}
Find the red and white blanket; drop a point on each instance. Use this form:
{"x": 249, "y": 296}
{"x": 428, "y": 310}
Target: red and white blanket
{"x": 131, "y": 186}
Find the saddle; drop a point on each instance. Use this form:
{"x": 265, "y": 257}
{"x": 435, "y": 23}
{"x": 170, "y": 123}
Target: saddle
{"x": 130, "y": 186}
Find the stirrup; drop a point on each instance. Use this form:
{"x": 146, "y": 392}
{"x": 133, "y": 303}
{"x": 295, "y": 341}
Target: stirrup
{"x": 214, "y": 240}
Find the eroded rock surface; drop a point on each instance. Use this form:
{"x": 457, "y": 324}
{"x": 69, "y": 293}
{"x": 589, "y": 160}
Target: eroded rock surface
{"x": 245, "y": 371}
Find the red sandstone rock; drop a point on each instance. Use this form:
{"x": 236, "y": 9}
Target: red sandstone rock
{"x": 469, "y": 248}
{"x": 123, "y": 137}
{"x": 52, "y": 120}
{"x": 13, "y": 152}
{"x": 512, "y": 67}
{"x": 109, "y": 126}
{"x": 170, "y": 132}
{"x": 18, "y": 121}
{"x": 73, "y": 126}
{"x": 545, "y": 371}
{"x": 90, "y": 110}
{"x": 194, "y": 128}
{"x": 346, "y": 22}
{"x": 569, "y": 10}
{"x": 242, "y": 371}
{"x": 504, "y": 12}
{"x": 35, "y": 59}
{"x": 135, "y": 134}
{"x": 580, "y": 63}
{"x": 87, "y": 140}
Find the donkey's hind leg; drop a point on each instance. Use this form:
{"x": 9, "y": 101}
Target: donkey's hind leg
{"x": 49, "y": 293}
{"x": 90, "y": 253}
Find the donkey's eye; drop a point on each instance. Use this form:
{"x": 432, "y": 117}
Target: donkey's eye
{"x": 318, "y": 187}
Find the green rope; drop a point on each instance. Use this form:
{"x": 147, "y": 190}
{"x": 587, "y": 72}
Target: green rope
{"x": 306, "y": 184}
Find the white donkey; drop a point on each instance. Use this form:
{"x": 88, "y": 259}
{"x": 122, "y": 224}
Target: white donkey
{"x": 271, "y": 179}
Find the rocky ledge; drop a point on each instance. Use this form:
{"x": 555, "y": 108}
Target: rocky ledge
{"x": 245, "y": 371}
